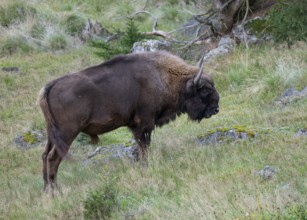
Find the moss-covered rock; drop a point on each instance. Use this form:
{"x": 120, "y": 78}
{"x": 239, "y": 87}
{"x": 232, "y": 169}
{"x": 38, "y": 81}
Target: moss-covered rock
{"x": 227, "y": 134}
{"x": 29, "y": 139}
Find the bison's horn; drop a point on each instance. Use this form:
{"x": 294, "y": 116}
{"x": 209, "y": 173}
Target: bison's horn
{"x": 201, "y": 67}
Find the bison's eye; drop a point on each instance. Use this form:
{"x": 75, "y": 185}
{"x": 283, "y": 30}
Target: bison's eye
{"x": 204, "y": 93}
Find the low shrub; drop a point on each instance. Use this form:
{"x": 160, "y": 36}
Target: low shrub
{"x": 100, "y": 203}
{"x": 15, "y": 12}
{"x": 57, "y": 42}
{"x": 15, "y": 44}
{"x": 74, "y": 25}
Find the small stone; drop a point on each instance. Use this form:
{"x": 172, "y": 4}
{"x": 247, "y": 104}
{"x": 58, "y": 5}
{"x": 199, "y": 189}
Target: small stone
{"x": 301, "y": 132}
{"x": 10, "y": 69}
{"x": 267, "y": 172}
{"x": 243, "y": 135}
{"x": 232, "y": 134}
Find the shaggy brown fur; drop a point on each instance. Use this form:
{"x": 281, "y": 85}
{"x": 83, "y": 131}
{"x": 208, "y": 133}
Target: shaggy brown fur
{"x": 140, "y": 91}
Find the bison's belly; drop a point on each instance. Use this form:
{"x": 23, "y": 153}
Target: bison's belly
{"x": 103, "y": 125}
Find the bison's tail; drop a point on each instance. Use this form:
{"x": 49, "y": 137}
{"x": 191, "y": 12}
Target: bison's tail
{"x": 53, "y": 132}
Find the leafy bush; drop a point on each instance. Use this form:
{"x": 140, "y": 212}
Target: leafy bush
{"x": 15, "y": 44}
{"x": 288, "y": 21}
{"x": 100, "y": 203}
{"x": 122, "y": 45}
{"x": 74, "y": 24}
{"x": 57, "y": 42}
{"x": 14, "y": 13}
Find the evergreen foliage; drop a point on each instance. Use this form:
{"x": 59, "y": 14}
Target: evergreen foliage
{"x": 122, "y": 45}
{"x": 288, "y": 22}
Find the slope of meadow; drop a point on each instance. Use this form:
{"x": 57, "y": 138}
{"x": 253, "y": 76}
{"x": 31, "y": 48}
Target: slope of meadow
{"x": 184, "y": 180}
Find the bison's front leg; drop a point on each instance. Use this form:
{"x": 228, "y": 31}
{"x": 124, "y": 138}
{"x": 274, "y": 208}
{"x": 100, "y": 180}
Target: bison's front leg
{"x": 143, "y": 140}
{"x": 94, "y": 139}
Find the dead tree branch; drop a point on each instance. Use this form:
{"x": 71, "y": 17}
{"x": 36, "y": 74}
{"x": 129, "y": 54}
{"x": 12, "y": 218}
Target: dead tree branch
{"x": 155, "y": 24}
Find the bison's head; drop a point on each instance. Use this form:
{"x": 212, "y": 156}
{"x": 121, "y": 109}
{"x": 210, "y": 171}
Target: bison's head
{"x": 201, "y": 99}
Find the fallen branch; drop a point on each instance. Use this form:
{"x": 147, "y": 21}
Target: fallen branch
{"x": 154, "y": 32}
{"x": 193, "y": 41}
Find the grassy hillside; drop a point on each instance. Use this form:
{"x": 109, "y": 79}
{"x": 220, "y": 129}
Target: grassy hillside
{"x": 184, "y": 180}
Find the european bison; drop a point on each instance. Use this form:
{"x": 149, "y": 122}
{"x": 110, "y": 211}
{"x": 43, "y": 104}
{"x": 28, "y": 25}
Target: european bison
{"x": 140, "y": 91}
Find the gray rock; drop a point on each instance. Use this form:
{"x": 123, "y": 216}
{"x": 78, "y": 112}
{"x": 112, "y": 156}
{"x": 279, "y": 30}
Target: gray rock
{"x": 211, "y": 139}
{"x": 291, "y": 95}
{"x": 225, "y": 45}
{"x": 23, "y": 141}
{"x": 301, "y": 132}
{"x": 232, "y": 134}
{"x": 267, "y": 172}
{"x": 94, "y": 153}
{"x": 243, "y": 135}
{"x": 221, "y": 137}
{"x": 150, "y": 45}
{"x": 105, "y": 153}
{"x": 244, "y": 35}
{"x": 10, "y": 69}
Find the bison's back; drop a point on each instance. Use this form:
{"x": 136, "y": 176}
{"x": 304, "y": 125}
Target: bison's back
{"x": 117, "y": 92}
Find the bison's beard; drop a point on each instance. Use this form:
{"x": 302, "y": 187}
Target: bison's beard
{"x": 197, "y": 109}
{"x": 198, "y": 115}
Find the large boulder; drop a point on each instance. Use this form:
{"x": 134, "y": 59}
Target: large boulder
{"x": 225, "y": 45}
{"x": 150, "y": 45}
{"x": 114, "y": 151}
{"x": 222, "y": 135}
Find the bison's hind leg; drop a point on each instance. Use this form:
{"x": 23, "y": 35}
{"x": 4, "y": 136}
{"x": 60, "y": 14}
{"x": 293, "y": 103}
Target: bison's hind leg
{"x": 48, "y": 148}
{"x": 54, "y": 158}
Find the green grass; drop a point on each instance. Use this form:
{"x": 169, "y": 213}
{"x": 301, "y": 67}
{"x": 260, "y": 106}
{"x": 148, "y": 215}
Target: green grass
{"x": 184, "y": 180}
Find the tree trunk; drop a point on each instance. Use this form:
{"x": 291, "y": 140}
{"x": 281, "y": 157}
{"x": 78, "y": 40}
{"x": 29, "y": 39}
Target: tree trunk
{"x": 228, "y": 12}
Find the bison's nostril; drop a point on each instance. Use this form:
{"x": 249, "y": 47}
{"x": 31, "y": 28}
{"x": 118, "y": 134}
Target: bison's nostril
{"x": 216, "y": 110}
